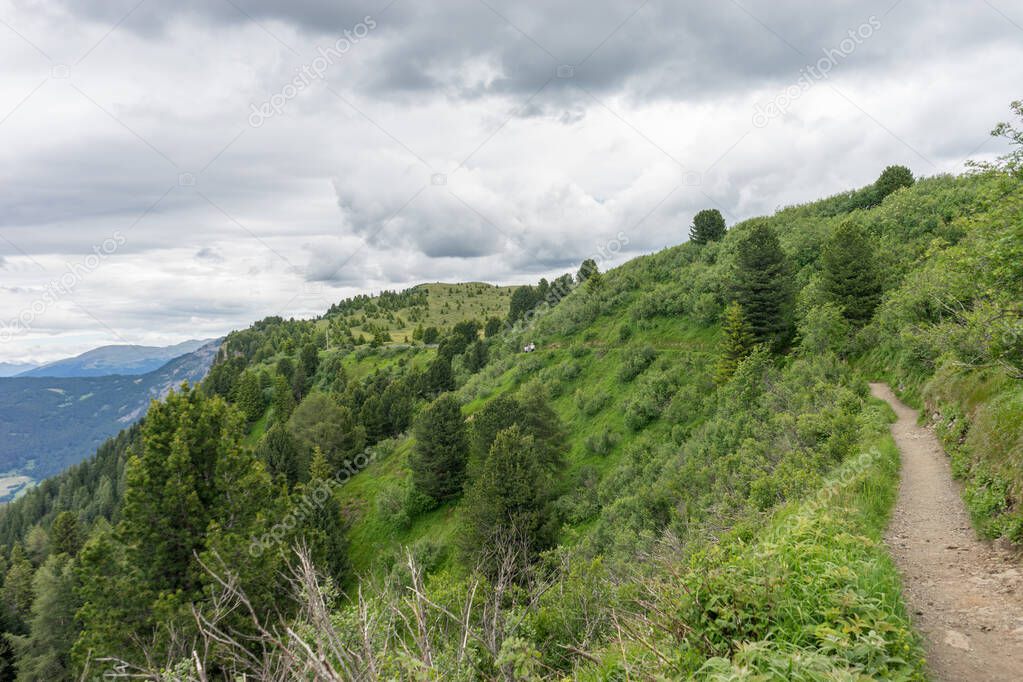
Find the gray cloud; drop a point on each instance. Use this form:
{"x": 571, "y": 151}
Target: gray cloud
{"x": 334, "y": 194}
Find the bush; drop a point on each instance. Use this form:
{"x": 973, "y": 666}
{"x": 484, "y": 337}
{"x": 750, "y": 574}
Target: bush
{"x": 635, "y": 361}
{"x": 602, "y": 442}
{"x": 591, "y": 404}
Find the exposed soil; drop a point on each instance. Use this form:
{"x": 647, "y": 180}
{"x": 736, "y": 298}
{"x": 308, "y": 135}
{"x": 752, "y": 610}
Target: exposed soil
{"x": 965, "y": 596}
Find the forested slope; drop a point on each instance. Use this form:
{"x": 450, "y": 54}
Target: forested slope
{"x": 686, "y": 478}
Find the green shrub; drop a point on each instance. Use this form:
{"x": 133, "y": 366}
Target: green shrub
{"x": 602, "y": 442}
{"x": 636, "y": 360}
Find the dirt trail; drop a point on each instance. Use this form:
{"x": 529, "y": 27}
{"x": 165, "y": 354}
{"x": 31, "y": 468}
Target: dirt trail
{"x": 964, "y": 595}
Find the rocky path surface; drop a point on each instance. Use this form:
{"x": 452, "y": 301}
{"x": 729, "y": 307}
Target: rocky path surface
{"x": 964, "y": 595}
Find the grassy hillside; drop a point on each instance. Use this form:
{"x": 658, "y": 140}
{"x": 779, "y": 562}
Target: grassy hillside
{"x": 426, "y": 305}
{"x": 647, "y": 495}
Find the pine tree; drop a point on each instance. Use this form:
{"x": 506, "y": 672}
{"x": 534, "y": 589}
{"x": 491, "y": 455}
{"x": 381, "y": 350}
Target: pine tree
{"x": 708, "y": 226}
{"x": 45, "y": 654}
{"x": 438, "y": 462}
{"x": 282, "y": 454}
{"x": 310, "y": 358}
{"x": 17, "y": 591}
{"x": 736, "y": 344}
{"x": 323, "y": 528}
{"x": 249, "y": 396}
{"x": 438, "y": 377}
{"x": 493, "y": 327}
{"x": 192, "y": 490}
{"x": 763, "y": 286}
{"x": 851, "y": 277}
{"x": 508, "y": 503}
{"x": 283, "y": 401}
{"x": 65, "y": 535}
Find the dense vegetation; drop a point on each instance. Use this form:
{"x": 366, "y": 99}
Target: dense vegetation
{"x": 686, "y": 478}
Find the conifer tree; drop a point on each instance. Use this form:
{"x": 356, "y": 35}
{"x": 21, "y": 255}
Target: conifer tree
{"x": 249, "y": 396}
{"x": 194, "y": 495}
{"x": 763, "y": 286}
{"x": 283, "y": 400}
{"x": 736, "y": 344}
{"x": 45, "y": 653}
{"x": 282, "y": 454}
{"x": 65, "y": 535}
{"x": 508, "y": 503}
{"x": 708, "y": 226}
{"x": 851, "y": 277}
{"x": 438, "y": 462}
{"x": 17, "y": 590}
{"x": 324, "y": 528}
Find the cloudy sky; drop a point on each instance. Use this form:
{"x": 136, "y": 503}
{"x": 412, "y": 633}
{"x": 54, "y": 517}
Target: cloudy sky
{"x": 172, "y": 173}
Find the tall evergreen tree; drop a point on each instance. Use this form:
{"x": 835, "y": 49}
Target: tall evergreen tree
{"x": 283, "y": 399}
{"x": 736, "y": 344}
{"x": 438, "y": 461}
{"x": 493, "y": 327}
{"x": 708, "y": 226}
{"x": 17, "y": 589}
{"x": 45, "y": 653}
{"x": 193, "y": 495}
{"x": 851, "y": 276}
{"x": 65, "y": 535}
{"x": 249, "y": 396}
{"x": 763, "y": 286}
{"x": 508, "y": 503}
{"x": 284, "y": 457}
{"x": 323, "y": 528}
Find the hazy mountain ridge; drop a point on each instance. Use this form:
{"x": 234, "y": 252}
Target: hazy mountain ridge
{"x": 115, "y": 359}
{"x": 49, "y": 423}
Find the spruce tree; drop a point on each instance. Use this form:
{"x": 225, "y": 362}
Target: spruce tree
{"x": 736, "y": 344}
{"x": 708, "y": 226}
{"x": 438, "y": 461}
{"x": 763, "y": 286}
{"x": 851, "y": 277}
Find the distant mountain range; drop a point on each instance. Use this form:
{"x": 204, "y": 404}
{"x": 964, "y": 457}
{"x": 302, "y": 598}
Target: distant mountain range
{"x": 107, "y": 360}
{"x": 10, "y": 369}
{"x": 49, "y": 423}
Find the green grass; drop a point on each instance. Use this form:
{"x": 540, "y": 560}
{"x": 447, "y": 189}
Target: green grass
{"x": 980, "y": 423}
{"x": 447, "y": 304}
{"x": 812, "y": 595}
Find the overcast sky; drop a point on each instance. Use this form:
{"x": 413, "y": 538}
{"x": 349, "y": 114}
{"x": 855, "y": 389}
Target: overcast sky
{"x": 171, "y": 173}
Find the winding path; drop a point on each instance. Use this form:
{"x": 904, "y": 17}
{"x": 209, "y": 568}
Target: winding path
{"x": 964, "y": 596}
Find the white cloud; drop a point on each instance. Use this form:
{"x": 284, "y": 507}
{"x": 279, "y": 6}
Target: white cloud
{"x": 440, "y": 147}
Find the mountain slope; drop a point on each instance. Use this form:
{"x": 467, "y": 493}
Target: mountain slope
{"x": 49, "y": 423}
{"x": 697, "y": 525}
{"x": 118, "y": 359}
{"x": 10, "y": 369}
